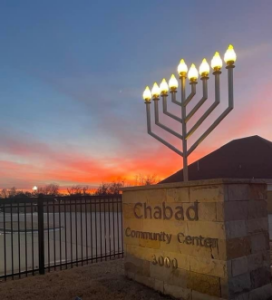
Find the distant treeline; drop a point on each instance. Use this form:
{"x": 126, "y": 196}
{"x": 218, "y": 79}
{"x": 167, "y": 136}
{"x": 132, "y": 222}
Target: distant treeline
{"x": 112, "y": 188}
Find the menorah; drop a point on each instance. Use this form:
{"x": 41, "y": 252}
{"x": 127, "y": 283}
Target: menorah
{"x": 216, "y": 64}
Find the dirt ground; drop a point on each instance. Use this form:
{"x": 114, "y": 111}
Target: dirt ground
{"x": 100, "y": 281}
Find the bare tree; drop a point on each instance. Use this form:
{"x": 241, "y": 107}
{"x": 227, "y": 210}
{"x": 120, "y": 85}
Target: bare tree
{"x": 12, "y": 192}
{"x": 22, "y": 194}
{"x": 85, "y": 190}
{"x": 112, "y": 188}
{"x": 78, "y": 190}
{"x": 49, "y": 189}
{"x": 4, "y": 193}
{"x": 102, "y": 190}
{"x": 146, "y": 180}
{"x": 115, "y": 187}
{"x": 73, "y": 190}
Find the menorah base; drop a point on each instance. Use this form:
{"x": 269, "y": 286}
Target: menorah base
{"x": 200, "y": 240}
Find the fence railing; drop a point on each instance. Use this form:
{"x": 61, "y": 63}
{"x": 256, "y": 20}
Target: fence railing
{"x": 50, "y": 233}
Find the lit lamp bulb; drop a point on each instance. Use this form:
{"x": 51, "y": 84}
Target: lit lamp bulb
{"x": 230, "y": 56}
{"x": 164, "y": 87}
{"x": 204, "y": 68}
{"x": 147, "y": 94}
{"x": 216, "y": 62}
{"x": 173, "y": 83}
{"x": 156, "y": 90}
{"x": 182, "y": 68}
{"x": 193, "y": 73}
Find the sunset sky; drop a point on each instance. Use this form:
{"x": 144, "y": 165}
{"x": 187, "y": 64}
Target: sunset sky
{"x": 72, "y": 75}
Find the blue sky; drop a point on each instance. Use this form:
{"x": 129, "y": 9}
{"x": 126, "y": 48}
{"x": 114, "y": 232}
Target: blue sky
{"x": 72, "y": 75}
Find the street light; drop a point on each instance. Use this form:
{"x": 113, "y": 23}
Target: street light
{"x": 204, "y": 70}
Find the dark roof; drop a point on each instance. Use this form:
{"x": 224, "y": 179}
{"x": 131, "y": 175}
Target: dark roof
{"x": 249, "y": 157}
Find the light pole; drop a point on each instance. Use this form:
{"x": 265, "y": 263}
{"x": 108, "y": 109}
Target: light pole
{"x": 216, "y": 64}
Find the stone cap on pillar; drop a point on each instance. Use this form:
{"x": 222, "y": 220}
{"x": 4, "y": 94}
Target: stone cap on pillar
{"x": 193, "y": 183}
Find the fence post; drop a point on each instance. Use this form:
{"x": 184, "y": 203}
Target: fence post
{"x": 41, "y": 234}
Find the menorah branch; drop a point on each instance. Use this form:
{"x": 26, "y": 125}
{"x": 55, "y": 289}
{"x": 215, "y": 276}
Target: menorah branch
{"x": 203, "y": 99}
{"x": 174, "y": 97}
{"x": 166, "y": 112}
{"x": 149, "y": 130}
{"x": 157, "y": 121}
{"x": 211, "y": 108}
{"x": 189, "y": 98}
{"x": 192, "y": 94}
{"x": 210, "y": 129}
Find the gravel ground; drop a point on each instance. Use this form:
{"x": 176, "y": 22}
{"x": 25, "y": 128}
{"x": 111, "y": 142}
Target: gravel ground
{"x": 98, "y": 281}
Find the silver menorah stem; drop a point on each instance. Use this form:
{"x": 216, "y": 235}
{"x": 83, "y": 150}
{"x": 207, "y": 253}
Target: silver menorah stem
{"x": 184, "y": 127}
{"x": 230, "y": 58}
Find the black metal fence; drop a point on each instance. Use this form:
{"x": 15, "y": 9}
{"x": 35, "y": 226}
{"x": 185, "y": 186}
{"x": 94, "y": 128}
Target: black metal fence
{"x": 50, "y": 233}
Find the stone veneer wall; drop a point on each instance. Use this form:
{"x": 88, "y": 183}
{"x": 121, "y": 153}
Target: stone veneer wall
{"x": 232, "y": 211}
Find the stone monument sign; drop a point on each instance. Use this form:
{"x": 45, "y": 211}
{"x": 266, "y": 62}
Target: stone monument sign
{"x": 200, "y": 240}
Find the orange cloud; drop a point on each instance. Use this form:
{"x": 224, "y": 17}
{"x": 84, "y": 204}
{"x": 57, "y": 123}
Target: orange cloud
{"x": 26, "y": 162}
